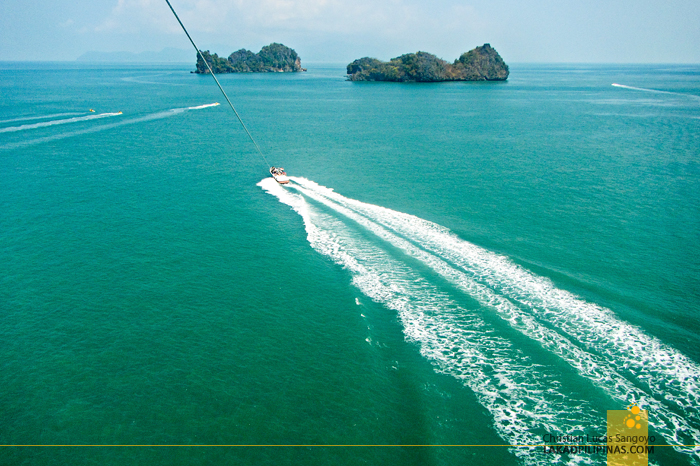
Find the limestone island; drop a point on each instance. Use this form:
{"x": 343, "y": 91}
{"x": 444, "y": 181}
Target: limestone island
{"x": 480, "y": 64}
{"x": 273, "y": 58}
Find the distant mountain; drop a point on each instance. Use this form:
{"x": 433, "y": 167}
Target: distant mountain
{"x": 480, "y": 64}
{"x": 167, "y": 55}
{"x": 273, "y": 58}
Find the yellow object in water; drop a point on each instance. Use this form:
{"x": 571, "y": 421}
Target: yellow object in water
{"x": 91, "y": 110}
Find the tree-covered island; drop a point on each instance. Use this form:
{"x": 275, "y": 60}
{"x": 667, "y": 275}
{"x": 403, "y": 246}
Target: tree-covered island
{"x": 273, "y": 58}
{"x": 480, "y": 64}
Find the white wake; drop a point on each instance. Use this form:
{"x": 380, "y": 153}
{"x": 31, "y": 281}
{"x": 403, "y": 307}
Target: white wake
{"x": 656, "y": 91}
{"x": 41, "y": 117}
{"x": 65, "y": 121}
{"x": 93, "y": 129}
{"x": 621, "y": 359}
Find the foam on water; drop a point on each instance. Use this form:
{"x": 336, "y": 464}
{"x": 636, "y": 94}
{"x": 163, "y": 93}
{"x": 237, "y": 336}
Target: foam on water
{"x": 141, "y": 80}
{"x": 692, "y": 96}
{"x": 203, "y": 106}
{"x": 618, "y": 357}
{"x": 57, "y": 122}
{"x": 41, "y": 117}
{"x": 95, "y": 129}
{"x": 525, "y": 399}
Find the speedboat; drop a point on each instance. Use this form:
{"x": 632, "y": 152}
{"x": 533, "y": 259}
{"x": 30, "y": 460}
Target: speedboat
{"x": 279, "y": 175}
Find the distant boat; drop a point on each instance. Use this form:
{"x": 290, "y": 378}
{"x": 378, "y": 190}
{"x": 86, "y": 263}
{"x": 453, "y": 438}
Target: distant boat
{"x": 279, "y": 175}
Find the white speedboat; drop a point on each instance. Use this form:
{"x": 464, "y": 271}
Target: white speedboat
{"x": 279, "y": 175}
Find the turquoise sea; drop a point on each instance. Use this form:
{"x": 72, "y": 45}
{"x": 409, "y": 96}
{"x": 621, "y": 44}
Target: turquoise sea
{"x": 454, "y": 264}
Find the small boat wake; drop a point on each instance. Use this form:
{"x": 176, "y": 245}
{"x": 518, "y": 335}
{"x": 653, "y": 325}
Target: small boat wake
{"x": 12, "y": 129}
{"x": 215, "y": 104}
{"x": 41, "y": 117}
{"x": 89, "y": 129}
{"x": 525, "y": 398}
{"x": 655, "y": 91}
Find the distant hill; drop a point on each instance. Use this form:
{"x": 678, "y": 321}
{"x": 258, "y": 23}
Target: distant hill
{"x": 480, "y": 64}
{"x": 273, "y": 58}
{"x": 167, "y": 55}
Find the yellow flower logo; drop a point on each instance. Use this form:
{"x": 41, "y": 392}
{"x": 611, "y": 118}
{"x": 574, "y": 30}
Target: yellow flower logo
{"x": 631, "y": 420}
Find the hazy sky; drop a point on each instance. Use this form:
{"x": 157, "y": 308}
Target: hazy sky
{"x": 579, "y": 31}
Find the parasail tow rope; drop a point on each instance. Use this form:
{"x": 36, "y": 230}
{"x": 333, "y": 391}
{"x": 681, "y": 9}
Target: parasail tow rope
{"x": 199, "y": 52}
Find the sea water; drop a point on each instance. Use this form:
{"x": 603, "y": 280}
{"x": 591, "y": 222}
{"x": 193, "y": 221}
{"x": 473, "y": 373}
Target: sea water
{"x": 453, "y": 264}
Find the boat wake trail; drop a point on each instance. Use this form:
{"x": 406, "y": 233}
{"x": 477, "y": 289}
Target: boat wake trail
{"x": 41, "y": 117}
{"x": 145, "y": 79}
{"x": 526, "y": 399}
{"x": 93, "y": 129}
{"x": 43, "y": 124}
{"x": 215, "y": 104}
{"x": 692, "y": 96}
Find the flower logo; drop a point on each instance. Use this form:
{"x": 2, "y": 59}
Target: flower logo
{"x": 631, "y": 420}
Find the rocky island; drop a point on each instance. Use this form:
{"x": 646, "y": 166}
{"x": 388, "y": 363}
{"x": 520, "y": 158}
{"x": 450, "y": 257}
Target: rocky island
{"x": 273, "y": 58}
{"x": 480, "y": 64}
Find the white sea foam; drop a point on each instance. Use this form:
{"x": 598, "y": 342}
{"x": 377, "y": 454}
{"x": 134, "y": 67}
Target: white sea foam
{"x": 691, "y": 96}
{"x": 57, "y": 122}
{"x": 524, "y": 399}
{"x": 146, "y": 79}
{"x": 620, "y": 358}
{"x": 41, "y": 117}
{"x": 203, "y": 106}
{"x": 95, "y": 129}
